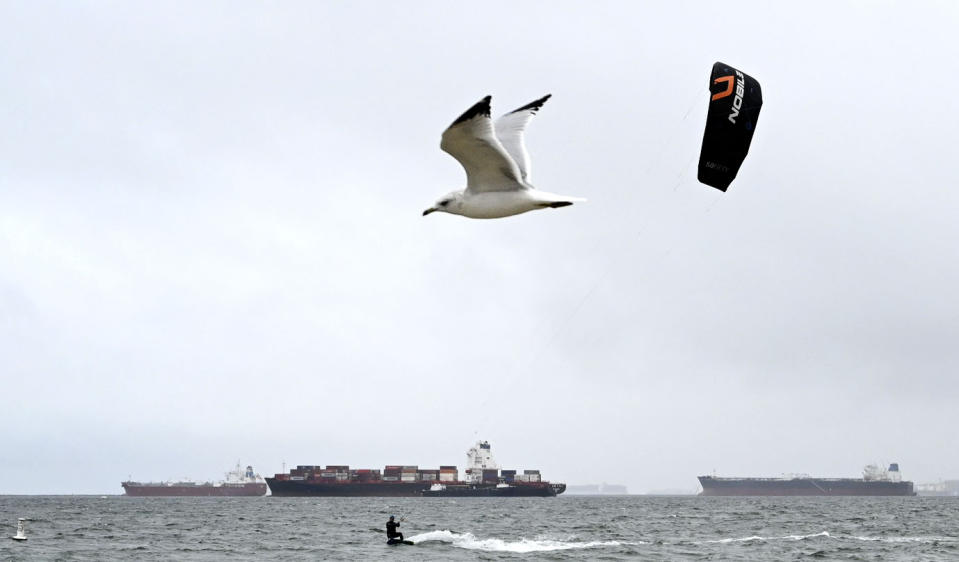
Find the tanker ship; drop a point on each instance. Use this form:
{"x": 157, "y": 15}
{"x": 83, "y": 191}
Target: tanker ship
{"x": 875, "y": 481}
{"x": 483, "y": 478}
{"x": 237, "y": 483}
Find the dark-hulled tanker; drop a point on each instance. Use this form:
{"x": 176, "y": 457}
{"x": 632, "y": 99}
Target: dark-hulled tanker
{"x": 875, "y": 482}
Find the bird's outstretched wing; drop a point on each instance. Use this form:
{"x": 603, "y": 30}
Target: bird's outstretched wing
{"x": 472, "y": 140}
{"x": 510, "y": 129}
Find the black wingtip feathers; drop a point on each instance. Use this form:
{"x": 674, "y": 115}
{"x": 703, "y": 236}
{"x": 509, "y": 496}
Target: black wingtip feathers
{"x": 533, "y": 106}
{"x": 479, "y": 108}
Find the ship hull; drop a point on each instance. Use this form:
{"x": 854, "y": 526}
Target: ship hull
{"x": 303, "y": 488}
{"x": 713, "y": 486}
{"x": 469, "y": 491}
{"x": 226, "y": 490}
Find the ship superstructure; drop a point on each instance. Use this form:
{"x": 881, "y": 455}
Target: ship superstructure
{"x": 875, "y": 481}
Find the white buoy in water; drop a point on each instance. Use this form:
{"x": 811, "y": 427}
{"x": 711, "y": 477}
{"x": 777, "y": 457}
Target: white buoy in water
{"x": 20, "y": 536}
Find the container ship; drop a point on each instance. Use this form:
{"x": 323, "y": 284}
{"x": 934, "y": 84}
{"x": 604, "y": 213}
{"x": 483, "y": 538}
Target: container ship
{"x": 603, "y": 489}
{"x": 483, "y": 479}
{"x": 941, "y": 488}
{"x": 875, "y": 481}
{"x": 237, "y": 483}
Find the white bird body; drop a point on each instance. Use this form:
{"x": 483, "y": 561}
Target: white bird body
{"x": 497, "y": 165}
{"x": 499, "y": 204}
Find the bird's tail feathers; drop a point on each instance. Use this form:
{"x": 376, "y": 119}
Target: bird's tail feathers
{"x": 561, "y": 201}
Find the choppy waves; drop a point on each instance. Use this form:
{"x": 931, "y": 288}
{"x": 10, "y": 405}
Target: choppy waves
{"x": 564, "y": 528}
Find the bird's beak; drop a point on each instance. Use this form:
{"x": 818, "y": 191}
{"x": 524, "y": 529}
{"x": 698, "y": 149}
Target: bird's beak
{"x": 428, "y": 211}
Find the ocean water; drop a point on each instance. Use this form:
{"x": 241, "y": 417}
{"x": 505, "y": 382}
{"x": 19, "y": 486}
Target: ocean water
{"x": 561, "y": 528}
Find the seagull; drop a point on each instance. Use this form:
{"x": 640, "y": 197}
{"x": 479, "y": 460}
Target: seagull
{"x": 497, "y": 165}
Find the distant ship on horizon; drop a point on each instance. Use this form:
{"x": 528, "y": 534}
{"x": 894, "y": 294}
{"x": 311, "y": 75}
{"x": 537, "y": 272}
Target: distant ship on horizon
{"x": 603, "y": 489}
{"x": 875, "y": 481}
{"x": 237, "y": 483}
{"x": 941, "y": 488}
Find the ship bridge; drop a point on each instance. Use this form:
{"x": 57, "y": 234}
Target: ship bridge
{"x": 479, "y": 458}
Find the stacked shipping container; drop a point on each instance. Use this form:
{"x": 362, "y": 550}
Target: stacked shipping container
{"x": 448, "y": 473}
{"x": 528, "y": 476}
{"x": 408, "y": 473}
{"x": 402, "y": 473}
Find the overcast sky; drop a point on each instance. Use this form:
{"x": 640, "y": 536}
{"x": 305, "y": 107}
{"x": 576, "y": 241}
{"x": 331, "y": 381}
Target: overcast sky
{"x": 212, "y": 248}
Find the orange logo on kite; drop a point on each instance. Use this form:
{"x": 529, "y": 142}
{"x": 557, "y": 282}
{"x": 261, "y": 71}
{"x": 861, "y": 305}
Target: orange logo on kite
{"x": 729, "y": 87}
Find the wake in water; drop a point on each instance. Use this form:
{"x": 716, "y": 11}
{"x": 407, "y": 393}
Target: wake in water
{"x": 758, "y": 538}
{"x": 470, "y": 542}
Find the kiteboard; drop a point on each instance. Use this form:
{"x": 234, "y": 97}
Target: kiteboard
{"x": 394, "y": 542}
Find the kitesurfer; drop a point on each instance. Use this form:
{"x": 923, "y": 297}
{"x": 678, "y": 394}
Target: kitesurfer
{"x": 391, "y": 526}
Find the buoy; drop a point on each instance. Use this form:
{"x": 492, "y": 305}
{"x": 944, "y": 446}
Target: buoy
{"x": 20, "y": 536}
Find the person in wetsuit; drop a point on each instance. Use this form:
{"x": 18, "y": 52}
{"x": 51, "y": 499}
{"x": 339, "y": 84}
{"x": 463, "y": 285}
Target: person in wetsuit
{"x": 391, "y": 530}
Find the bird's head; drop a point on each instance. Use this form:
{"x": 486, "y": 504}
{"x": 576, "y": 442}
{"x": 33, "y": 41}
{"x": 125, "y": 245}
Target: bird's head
{"x": 452, "y": 202}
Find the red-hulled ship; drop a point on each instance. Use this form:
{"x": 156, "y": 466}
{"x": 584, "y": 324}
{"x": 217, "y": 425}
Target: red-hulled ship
{"x": 237, "y": 483}
{"x": 483, "y": 478}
